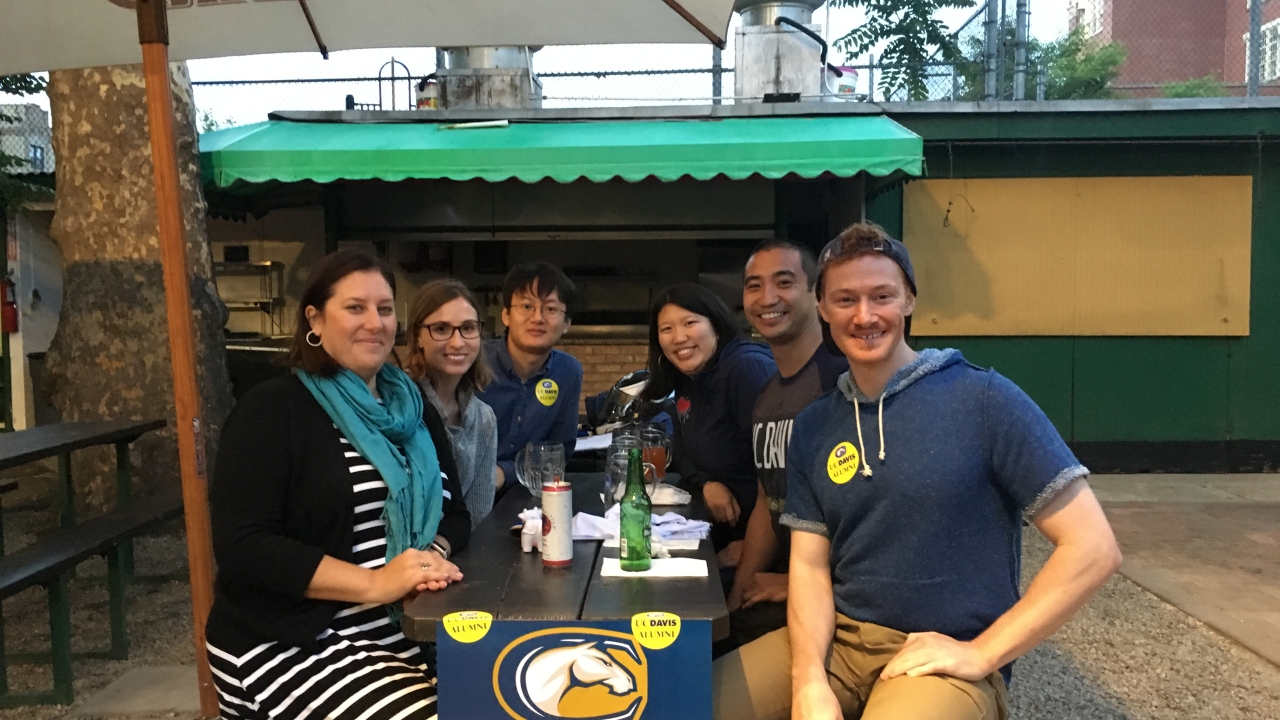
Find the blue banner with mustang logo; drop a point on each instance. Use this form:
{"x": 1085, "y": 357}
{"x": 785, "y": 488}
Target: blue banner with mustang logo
{"x": 654, "y": 666}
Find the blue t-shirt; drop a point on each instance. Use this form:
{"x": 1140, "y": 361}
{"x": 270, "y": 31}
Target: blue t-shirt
{"x": 931, "y": 540}
{"x": 542, "y": 409}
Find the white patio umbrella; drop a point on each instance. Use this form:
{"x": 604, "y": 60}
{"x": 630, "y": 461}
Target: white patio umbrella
{"x": 41, "y": 35}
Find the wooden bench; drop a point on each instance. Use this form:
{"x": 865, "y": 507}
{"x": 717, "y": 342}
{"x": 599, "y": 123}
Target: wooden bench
{"x": 50, "y": 561}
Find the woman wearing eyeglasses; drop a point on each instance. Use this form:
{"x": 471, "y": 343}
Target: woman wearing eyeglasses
{"x": 445, "y": 360}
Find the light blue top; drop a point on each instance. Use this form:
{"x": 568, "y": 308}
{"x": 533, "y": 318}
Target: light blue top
{"x": 475, "y": 447}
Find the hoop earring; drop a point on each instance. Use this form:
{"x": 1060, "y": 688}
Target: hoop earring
{"x": 308, "y": 338}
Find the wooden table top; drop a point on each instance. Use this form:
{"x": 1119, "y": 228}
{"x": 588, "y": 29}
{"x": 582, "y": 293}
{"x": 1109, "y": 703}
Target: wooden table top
{"x": 24, "y": 446}
{"x": 513, "y": 585}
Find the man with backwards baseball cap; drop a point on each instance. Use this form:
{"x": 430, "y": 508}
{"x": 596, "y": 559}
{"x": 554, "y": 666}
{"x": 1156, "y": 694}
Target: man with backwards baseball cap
{"x": 904, "y": 599}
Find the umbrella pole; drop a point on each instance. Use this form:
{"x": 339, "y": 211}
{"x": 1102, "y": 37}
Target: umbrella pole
{"x": 153, "y": 33}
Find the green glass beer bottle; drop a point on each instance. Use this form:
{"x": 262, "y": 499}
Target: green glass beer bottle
{"x": 635, "y": 511}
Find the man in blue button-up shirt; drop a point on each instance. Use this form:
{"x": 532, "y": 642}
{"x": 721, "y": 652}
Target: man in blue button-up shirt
{"x": 535, "y": 388}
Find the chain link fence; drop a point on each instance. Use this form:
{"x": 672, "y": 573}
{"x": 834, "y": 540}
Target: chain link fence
{"x": 1184, "y": 49}
{"x": 26, "y": 139}
{"x": 1111, "y": 49}
{"x": 599, "y": 88}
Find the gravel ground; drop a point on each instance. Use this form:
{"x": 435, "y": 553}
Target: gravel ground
{"x": 1127, "y": 655}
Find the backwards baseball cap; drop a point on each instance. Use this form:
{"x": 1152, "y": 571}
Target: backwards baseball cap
{"x": 864, "y": 238}
{"x": 856, "y": 240}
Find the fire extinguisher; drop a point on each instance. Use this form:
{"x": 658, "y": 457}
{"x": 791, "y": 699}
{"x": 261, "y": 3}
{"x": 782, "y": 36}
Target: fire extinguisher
{"x": 8, "y": 306}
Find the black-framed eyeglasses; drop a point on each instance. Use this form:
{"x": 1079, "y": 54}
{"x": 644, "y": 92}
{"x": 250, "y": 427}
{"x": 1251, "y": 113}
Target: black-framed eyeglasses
{"x": 441, "y": 331}
{"x": 526, "y": 309}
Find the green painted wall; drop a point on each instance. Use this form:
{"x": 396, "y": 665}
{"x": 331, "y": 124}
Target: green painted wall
{"x": 1130, "y": 388}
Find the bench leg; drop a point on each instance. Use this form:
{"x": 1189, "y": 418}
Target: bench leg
{"x": 66, "y": 490}
{"x": 124, "y": 496}
{"x": 60, "y": 639}
{"x": 117, "y": 586}
{"x": 4, "y": 660}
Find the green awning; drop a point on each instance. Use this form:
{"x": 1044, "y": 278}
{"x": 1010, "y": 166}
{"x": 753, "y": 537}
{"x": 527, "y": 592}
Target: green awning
{"x": 600, "y": 150}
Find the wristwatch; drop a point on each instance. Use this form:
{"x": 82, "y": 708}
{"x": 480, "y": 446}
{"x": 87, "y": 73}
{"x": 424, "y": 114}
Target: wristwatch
{"x": 435, "y": 545}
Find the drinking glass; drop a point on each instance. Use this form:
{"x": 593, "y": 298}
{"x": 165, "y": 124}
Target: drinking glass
{"x": 538, "y": 464}
{"x": 656, "y": 448}
{"x": 615, "y": 477}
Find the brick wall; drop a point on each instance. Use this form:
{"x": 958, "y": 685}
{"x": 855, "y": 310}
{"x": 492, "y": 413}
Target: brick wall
{"x": 1169, "y": 40}
{"x": 604, "y": 363}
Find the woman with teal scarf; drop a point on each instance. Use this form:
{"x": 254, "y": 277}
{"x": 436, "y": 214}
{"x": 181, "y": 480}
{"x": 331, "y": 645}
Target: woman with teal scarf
{"x": 330, "y": 509}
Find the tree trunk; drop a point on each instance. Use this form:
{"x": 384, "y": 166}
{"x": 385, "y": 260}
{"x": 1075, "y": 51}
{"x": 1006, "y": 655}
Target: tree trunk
{"x": 110, "y": 357}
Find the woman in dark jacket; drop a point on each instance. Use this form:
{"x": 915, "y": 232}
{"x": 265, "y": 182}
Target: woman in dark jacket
{"x": 329, "y": 508}
{"x": 694, "y": 349}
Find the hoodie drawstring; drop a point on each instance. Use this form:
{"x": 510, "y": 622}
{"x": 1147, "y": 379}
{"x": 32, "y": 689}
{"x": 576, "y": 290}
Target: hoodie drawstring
{"x": 862, "y": 448}
{"x": 882, "y": 428}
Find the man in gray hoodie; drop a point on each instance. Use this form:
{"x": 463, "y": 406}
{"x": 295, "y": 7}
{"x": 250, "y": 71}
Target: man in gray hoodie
{"x": 904, "y": 599}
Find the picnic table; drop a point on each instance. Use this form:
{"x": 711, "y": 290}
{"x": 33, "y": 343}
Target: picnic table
{"x": 530, "y": 608}
{"x": 60, "y": 439}
{"x": 51, "y": 559}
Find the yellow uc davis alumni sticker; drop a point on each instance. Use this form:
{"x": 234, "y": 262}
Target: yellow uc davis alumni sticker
{"x": 467, "y": 626}
{"x": 843, "y": 463}
{"x": 655, "y": 630}
{"x": 547, "y": 391}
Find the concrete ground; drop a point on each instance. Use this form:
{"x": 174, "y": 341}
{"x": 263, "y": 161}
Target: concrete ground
{"x": 1209, "y": 545}
{"x": 1128, "y": 655}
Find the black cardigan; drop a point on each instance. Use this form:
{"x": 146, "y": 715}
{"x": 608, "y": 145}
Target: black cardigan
{"x": 281, "y": 500}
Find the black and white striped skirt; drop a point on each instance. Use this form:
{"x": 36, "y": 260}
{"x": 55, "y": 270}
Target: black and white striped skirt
{"x": 365, "y": 670}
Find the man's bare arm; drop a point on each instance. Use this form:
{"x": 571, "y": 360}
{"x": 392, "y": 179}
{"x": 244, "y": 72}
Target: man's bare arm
{"x": 811, "y": 621}
{"x": 1086, "y": 555}
{"x": 758, "y": 549}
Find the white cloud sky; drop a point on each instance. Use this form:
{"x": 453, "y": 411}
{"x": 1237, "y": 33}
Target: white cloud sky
{"x": 243, "y": 104}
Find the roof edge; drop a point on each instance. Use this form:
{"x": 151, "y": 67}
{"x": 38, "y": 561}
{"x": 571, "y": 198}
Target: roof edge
{"x": 803, "y": 109}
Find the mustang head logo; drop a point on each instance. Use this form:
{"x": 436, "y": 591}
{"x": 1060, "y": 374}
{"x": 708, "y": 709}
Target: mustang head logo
{"x": 551, "y": 673}
{"x": 572, "y": 673}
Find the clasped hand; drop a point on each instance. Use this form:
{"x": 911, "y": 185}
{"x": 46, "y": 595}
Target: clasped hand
{"x": 412, "y": 572}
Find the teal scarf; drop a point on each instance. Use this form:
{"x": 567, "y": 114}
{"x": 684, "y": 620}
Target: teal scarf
{"x": 379, "y": 432}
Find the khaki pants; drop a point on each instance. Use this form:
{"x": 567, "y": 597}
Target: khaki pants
{"x": 754, "y": 681}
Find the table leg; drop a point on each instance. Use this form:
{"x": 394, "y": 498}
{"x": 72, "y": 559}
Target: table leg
{"x": 124, "y": 497}
{"x": 4, "y": 660}
{"x": 67, "y": 490}
{"x": 118, "y": 588}
{"x": 60, "y": 639}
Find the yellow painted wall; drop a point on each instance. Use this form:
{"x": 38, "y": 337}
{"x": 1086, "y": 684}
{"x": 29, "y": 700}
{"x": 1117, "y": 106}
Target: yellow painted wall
{"x": 1081, "y": 256}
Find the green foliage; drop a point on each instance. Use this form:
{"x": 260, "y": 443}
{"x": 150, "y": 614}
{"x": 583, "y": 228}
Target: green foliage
{"x": 1075, "y": 67}
{"x": 208, "y": 123}
{"x": 21, "y": 84}
{"x": 15, "y": 191}
{"x": 913, "y": 36}
{"x": 1080, "y": 69}
{"x": 1205, "y": 87}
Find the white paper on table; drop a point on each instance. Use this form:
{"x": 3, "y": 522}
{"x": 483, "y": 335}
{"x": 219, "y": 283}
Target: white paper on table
{"x": 594, "y": 442}
{"x": 682, "y": 544}
{"x": 662, "y": 567}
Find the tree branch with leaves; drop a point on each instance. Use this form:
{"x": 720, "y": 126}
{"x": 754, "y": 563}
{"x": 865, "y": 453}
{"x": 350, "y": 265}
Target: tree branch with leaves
{"x": 914, "y": 35}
